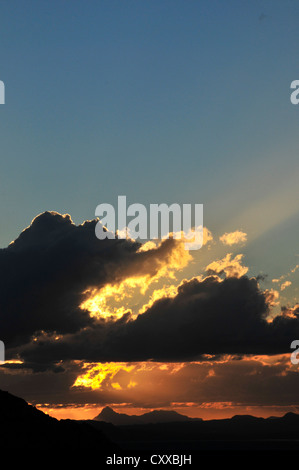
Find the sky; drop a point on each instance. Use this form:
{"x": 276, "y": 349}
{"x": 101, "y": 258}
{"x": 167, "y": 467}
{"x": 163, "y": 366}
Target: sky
{"x": 174, "y": 102}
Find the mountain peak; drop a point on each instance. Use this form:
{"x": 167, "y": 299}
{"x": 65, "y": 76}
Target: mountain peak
{"x": 156, "y": 416}
{"x": 107, "y": 411}
{"x": 291, "y": 416}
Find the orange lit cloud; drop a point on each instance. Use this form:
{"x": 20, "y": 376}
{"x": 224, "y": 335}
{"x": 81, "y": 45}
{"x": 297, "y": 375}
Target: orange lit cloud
{"x": 284, "y": 276}
{"x": 233, "y": 238}
{"x": 290, "y": 312}
{"x": 271, "y": 296}
{"x": 98, "y": 374}
{"x": 165, "y": 291}
{"x": 232, "y": 267}
{"x": 207, "y": 236}
{"x": 285, "y": 284}
{"x": 205, "y": 389}
{"x": 122, "y": 375}
{"x": 102, "y": 303}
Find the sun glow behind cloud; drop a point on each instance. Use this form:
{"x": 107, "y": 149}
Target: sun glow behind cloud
{"x": 187, "y": 386}
{"x": 97, "y": 374}
{"x": 99, "y": 301}
{"x": 121, "y": 375}
{"x": 152, "y": 280}
{"x": 111, "y": 301}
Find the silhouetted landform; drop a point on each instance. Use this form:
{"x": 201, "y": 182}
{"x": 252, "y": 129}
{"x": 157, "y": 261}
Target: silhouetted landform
{"x": 108, "y": 415}
{"x": 240, "y": 433}
{"x": 23, "y": 425}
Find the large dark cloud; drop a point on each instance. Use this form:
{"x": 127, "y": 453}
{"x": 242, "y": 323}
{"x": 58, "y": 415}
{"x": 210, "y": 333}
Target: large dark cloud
{"x": 43, "y": 276}
{"x": 205, "y": 317}
{"x": 45, "y": 271}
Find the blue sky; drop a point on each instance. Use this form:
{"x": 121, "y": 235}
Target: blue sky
{"x": 163, "y": 101}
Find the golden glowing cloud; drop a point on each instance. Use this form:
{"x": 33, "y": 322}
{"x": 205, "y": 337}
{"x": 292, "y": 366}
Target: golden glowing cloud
{"x": 232, "y": 267}
{"x": 103, "y": 303}
{"x": 233, "y": 238}
{"x": 178, "y": 385}
{"x": 97, "y": 373}
{"x": 122, "y": 375}
{"x": 207, "y": 236}
{"x": 147, "y": 246}
{"x": 290, "y": 312}
{"x": 116, "y": 386}
{"x": 271, "y": 296}
{"x": 285, "y": 285}
{"x": 165, "y": 291}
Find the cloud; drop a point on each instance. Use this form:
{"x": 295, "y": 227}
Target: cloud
{"x": 295, "y": 269}
{"x": 232, "y": 267}
{"x": 51, "y": 268}
{"x": 209, "y": 316}
{"x": 54, "y": 267}
{"x": 255, "y": 380}
{"x": 233, "y": 238}
{"x": 284, "y": 276}
{"x": 271, "y": 296}
{"x": 285, "y": 284}
{"x": 290, "y": 312}
{"x": 207, "y": 236}
{"x": 197, "y": 382}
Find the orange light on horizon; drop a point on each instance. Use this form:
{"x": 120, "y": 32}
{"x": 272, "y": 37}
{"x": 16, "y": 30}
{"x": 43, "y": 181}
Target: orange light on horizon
{"x": 205, "y": 411}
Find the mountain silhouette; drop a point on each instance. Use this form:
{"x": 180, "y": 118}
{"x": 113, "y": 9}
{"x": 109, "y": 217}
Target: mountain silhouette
{"x": 108, "y": 415}
{"x": 239, "y": 433}
{"x": 23, "y": 425}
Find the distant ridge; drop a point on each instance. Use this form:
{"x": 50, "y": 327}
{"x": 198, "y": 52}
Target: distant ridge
{"x": 239, "y": 433}
{"x": 108, "y": 415}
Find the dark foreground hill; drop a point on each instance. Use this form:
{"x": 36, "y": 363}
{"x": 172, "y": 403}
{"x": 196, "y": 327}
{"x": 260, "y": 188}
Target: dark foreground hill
{"x": 108, "y": 415}
{"x": 22, "y": 425}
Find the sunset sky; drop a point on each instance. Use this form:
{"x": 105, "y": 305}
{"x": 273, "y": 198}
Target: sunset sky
{"x": 164, "y": 102}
